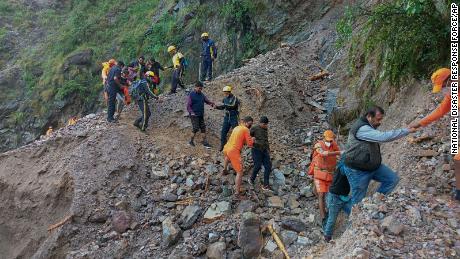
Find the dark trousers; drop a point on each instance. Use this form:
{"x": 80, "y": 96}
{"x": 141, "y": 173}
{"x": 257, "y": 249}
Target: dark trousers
{"x": 113, "y": 91}
{"x": 143, "y": 121}
{"x": 230, "y": 122}
{"x": 176, "y": 80}
{"x": 206, "y": 69}
{"x": 261, "y": 157}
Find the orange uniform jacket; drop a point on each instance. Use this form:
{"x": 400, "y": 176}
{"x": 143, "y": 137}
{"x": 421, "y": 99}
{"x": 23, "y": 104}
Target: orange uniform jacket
{"x": 240, "y": 135}
{"x": 442, "y": 110}
{"x": 324, "y": 165}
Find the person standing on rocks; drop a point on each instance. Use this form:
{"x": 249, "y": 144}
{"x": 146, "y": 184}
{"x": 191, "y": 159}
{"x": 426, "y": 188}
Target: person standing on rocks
{"x": 322, "y": 167}
{"x": 195, "y": 107}
{"x": 106, "y": 66}
{"x": 141, "y": 67}
{"x": 208, "y": 55}
{"x": 337, "y": 199}
{"x": 141, "y": 92}
{"x": 232, "y": 151}
{"x": 442, "y": 84}
{"x": 178, "y": 68}
{"x": 362, "y": 158}
{"x": 114, "y": 88}
{"x": 231, "y": 106}
{"x": 261, "y": 152}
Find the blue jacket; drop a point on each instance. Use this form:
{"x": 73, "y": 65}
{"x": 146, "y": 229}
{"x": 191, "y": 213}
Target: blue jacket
{"x": 195, "y": 103}
{"x": 208, "y": 49}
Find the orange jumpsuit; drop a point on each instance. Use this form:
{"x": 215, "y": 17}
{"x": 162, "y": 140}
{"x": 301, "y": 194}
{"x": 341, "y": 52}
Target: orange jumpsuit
{"x": 232, "y": 150}
{"x": 442, "y": 110}
{"x": 323, "y": 165}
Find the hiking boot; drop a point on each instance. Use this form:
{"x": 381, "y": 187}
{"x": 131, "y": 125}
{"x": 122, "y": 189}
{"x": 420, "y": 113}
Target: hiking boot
{"x": 266, "y": 188}
{"x": 112, "y": 121}
{"x": 191, "y": 143}
{"x": 206, "y": 145}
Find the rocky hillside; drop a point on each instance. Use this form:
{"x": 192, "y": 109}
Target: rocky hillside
{"x": 51, "y": 50}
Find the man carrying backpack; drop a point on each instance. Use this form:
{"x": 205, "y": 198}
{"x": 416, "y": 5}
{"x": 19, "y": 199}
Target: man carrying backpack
{"x": 208, "y": 55}
{"x": 178, "y": 61}
{"x": 140, "y": 92}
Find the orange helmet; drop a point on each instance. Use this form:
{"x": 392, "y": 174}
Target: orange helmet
{"x": 438, "y": 78}
{"x": 329, "y": 135}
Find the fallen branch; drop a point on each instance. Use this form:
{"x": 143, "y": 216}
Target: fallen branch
{"x": 318, "y": 76}
{"x": 278, "y": 241}
{"x": 208, "y": 221}
{"x": 60, "y": 223}
{"x": 186, "y": 201}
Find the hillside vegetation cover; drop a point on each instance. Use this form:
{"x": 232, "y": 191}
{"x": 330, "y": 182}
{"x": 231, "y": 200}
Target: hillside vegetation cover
{"x": 408, "y": 38}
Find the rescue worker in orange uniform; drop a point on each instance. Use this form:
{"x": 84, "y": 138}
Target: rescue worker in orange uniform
{"x": 232, "y": 150}
{"x": 322, "y": 167}
{"x": 442, "y": 84}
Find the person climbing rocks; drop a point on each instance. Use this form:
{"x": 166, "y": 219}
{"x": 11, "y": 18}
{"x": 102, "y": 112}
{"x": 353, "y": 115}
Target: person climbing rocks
{"x": 261, "y": 152}
{"x": 155, "y": 67}
{"x": 232, "y": 151}
{"x": 141, "y": 93}
{"x": 49, "y": 131}
{"x": 208, "y": 55}
{"x": 231, "y": 106}
{"x": 106, "y": 66}
{"x": 72, "y": 121}
{"x": 441, "y": 84}
{"x": 195, "y": 107}
{"x": 322, "y": 167}
{"x": 337, "y": 199}
{"x": 114, "y": 87}
{"x": 140, "y": 66}
{"x": 123, "y": 98}
{"x": 362, "y": 157}
{"x": 178, "y": 69}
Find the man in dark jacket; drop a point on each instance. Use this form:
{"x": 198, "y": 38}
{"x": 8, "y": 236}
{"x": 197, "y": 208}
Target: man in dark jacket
{"x": 337, "y": 199}
{"x": 208, "y": 55}
{"x": 231, "y": 118}
{"x": 141, "y": 93}
{"x": 115, "y": 86}
{"x": 362, "y": 157}
{"x": 261, "y": 152}
{"x": 140, "y": 66}
{"x": 195, "y": 107}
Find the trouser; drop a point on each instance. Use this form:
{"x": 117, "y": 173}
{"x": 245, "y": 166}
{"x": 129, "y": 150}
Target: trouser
{"x": 334, "y": 205}
{"x": 120, "y": 103}
{"x": 176, "y": 80}
{"x": 359, "y": 181}
{"x": 206, "y": 69}
{"x": 230, "y": 122}
{"x": 113, "y": 91}
{"x": 143, "y": 121}
{"x": 261, "y": 157}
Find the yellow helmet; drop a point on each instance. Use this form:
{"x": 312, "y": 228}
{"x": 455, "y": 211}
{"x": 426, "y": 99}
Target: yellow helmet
{"x": 227, "y": 89}
{"x": 149, "y": 73}
{"x": 171, "y": 48}
{"x": 204, "y": 34}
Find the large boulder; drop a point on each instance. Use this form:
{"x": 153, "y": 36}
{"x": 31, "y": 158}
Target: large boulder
{"x": 216, "y": 250}
{"x": 171, "y": 232}
{"x": 189, "y": 216}
{"x": 250, "y": 236}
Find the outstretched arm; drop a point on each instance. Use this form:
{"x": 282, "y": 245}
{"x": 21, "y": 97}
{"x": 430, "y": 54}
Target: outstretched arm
{"x": 367, "y": 133}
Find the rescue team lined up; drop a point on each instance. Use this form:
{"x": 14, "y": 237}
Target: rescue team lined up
{"x": 341, "y": 178}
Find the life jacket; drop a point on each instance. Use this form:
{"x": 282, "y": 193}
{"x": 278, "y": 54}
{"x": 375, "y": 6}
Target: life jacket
{"x": 322, "y": 167}
{"x": 105, "y": 70}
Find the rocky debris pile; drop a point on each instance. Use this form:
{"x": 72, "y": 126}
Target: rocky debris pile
{"x": 407, "y": 223}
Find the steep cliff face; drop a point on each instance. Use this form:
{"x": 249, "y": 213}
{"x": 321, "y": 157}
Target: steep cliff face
{"x": 52, "y": 50}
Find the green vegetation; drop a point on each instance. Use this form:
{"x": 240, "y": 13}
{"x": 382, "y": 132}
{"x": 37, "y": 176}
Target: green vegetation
{"x": 408, "y": 38}
{"x": 238, "y": 17}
